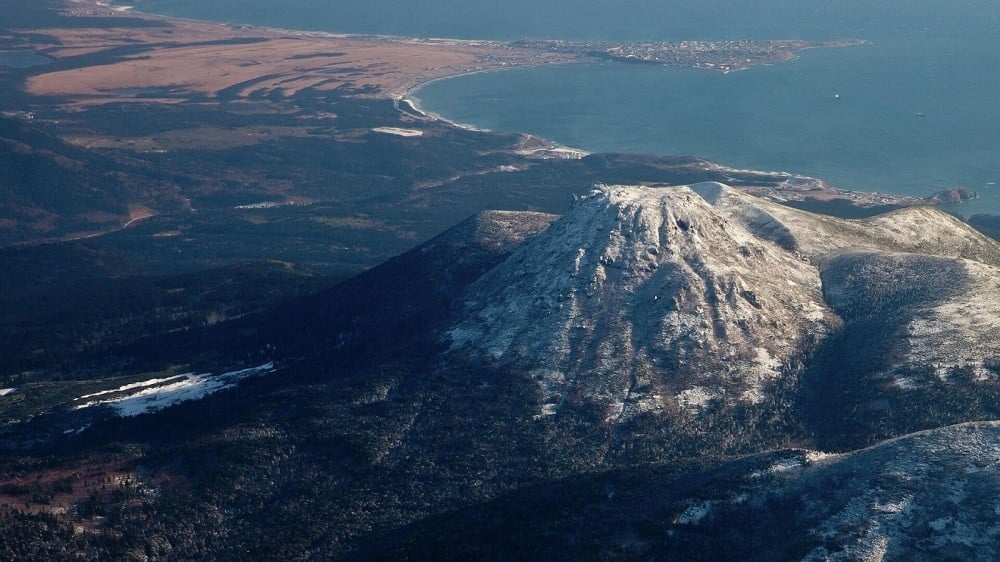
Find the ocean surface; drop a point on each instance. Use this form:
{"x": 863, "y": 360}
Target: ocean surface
{"x": 917, "y": 111}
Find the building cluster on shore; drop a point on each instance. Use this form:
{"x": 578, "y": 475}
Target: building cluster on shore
{"x": 724, "y": 56}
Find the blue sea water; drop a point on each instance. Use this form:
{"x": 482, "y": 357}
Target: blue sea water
{"x": 930, "y": 57}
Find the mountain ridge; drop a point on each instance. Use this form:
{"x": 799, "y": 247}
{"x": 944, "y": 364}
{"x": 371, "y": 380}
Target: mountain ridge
{"x": 423, "y": 387}
{"x": 680, "y": 300}
{"x": 920, "y": 496}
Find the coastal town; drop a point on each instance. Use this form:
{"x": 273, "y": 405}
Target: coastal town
{"x": 722, "y": 56}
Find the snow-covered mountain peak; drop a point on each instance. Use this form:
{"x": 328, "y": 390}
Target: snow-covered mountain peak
{"x": 646, "y": 299}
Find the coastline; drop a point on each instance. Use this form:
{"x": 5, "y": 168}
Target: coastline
{"x": 551, "y": 149}
{"x": 486, "y": 56}
{"x": 489, "y": 56}
{"x": 401, "y": 87}
{"x": 543, "y": 148}
{"x": 409, "y": 98}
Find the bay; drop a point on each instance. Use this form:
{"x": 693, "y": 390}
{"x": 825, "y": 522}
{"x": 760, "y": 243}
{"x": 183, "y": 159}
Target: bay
{"x": 917, "y": 108}
{"x": 892, "y": 129}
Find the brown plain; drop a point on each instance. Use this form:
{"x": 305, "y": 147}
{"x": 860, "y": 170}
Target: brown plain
{"x": 177, "y": 60}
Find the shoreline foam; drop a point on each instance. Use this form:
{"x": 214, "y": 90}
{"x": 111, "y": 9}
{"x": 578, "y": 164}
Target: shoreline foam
{"x": 554, "y": 149}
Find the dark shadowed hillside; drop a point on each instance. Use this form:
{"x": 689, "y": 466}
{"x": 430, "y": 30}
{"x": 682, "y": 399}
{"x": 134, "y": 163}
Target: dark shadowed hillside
{"x": 643, "y": 340}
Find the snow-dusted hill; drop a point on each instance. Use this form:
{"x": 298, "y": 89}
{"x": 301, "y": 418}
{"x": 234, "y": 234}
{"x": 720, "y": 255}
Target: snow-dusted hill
{"x": 925, "y": 496}
{"x": 918, "y": 229}
{"x": 719, "y": 289}
{"x": 680, "y": 302}
{"x": 680, "y": 373}
{"x": 645, "y": 299}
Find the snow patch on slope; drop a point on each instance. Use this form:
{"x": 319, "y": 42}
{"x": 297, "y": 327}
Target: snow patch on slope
{"x": 918, "y": 229}
{"x": 156, "y": 394}
{"x": 399, "y": 132}
{"x": 694, "y": 513}
{"x": 696, "y": 400}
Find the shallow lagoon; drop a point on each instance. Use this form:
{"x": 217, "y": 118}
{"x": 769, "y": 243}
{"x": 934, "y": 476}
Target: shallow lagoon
{"x": 22, "y": 59}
